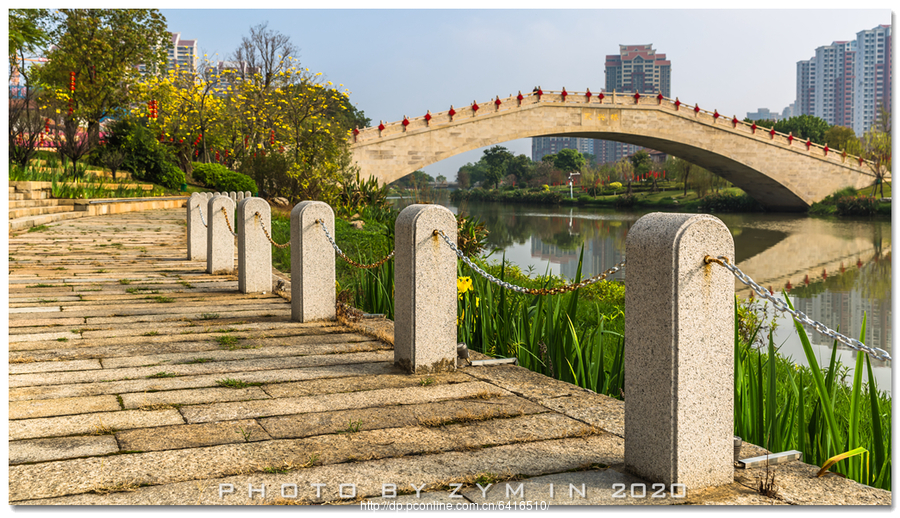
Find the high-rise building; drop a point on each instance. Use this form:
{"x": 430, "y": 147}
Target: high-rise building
{"x": 763, "y": 114}
{"x": 806, "y": 87}
{"x": 833, "y": 97}
{"x": 847, "y": 82}
{"x": 638, "y": 68}
{"x": 182, "y": 53}
{"x": 542, "y": 146}
{"x": 873, "y": 76}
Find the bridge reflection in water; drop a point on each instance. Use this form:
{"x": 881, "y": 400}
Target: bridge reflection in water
{"x": 834, "y": 271}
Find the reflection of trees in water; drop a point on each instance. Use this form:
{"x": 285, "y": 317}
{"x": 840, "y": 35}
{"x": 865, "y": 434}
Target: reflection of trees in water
{"x": 508, "y": 225}
{"x": 875, "y": 278}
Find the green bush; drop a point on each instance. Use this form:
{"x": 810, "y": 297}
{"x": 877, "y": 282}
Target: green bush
{"x": 729, "y": 202}
{"x": 207, "y": 174}
{"x": 856, "y": 206}
{"x": 584, "y": 199}
{"x": 237, "y": 182}
{"x": 626, "y": 201}
{"x": 146, "y": 158}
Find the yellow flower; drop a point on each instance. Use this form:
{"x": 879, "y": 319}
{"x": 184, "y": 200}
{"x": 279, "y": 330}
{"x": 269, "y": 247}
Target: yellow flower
{"x": 463, "y": 284}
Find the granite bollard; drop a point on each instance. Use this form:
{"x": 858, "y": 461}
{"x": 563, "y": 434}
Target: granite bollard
{"x": 679, "y": 358}
{"x": 219, "y": 241}
{"x": 196, "y": 229}
{"x": 312, "y": 263}
{"x": 233, "y": 196}
{"x": 425, "y": 290}
{"x": 254, "y": 249}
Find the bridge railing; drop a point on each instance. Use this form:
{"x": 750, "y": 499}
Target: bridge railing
{"x": 476, "y": 109}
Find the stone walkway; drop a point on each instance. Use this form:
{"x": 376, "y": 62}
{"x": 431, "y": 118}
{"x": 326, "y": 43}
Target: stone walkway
{"x": 136, "y": 378}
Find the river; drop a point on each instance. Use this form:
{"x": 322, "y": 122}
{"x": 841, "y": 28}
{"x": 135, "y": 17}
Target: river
{"x": 834, "y": 270}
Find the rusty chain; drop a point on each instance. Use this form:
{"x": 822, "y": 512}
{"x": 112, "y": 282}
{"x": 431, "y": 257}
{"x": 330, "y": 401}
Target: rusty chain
{"x": 266, "y": 232}
{"x": 530, "y": 291}
{"x": 344, "y": 256}
{"x": 227, "y": 221}
{"x": 780, "y": 305}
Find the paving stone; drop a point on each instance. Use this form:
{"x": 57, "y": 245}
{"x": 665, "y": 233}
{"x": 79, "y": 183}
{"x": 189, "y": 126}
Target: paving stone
{"x": 60, "y": 378}
{"x": 48, "y": 367}
{"x": 525, "y": 383}
{"x": 38, "y": 480}
{"x": 41, "y": 450}
{"x": 184, "y": 382}
{"x": 426, "y": 414}
{"x": 331, "y": 386}
{"x": 598, "y": 410}
{"x": 62, "y": 406}
{"x": 91, "y": 423}
{"x": 326, "y": 402}
{"x": 192, "y": 396}
{"x": 191, "y": 436}
{"x": 425, "y": 471}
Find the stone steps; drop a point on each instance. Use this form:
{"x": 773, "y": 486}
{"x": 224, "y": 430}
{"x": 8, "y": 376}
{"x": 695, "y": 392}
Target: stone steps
{"x": 24, "y": 212}
{"x": 18, "y": 204}
{"x": 44, "y": 219}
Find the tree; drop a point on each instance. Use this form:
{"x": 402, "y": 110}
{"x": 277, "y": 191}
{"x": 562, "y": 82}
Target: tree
{"x": 876, "y": 147}
{"x": 683, "y": 169}
{"x": 96, "y": 55}
{"x": 802, "y": 127}
{"x": 521, "y": 167}
{"x": 27, "y": 33}
{"x": 262, "y": 55}
{"x": 641, "y": 162}
{"x": 496, "y": 159}
{"x": 441, "y": 179}
{"x": 625, "y": 171}
{"x": 569, "y": 161}
{"x": 462, "y": 178}
{"x": 840, "y": 137}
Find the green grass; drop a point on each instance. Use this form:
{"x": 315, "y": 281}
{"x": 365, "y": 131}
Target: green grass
{"x": 162, "y": 300}
{"x": 38, "y": 228}
{"x": 209, "y": 316}
{"x": 124, "y": 281}
{"x": 162, "y": 375}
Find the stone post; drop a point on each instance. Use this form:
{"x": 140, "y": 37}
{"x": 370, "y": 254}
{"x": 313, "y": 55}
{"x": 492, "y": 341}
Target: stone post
{"x": 196, "y": 230}
{"x": 219, "y": 241}
{"x": 248, "y": 194}
{"x": 679, "y": 351}
{"x": 233, "y": 196}
{"x": 425, "y": 290}
{"x": 254, "y": 249}
{"x": 240, "y": 196}
{"x": 312, "y": 263}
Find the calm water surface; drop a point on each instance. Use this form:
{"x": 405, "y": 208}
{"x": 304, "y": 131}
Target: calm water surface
{"x": 835, "y": 271}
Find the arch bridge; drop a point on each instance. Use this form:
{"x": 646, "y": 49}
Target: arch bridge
{"x": 780, "y": 171}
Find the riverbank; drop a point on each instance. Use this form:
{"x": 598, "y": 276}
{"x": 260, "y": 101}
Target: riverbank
{"x": 671, "y": 197}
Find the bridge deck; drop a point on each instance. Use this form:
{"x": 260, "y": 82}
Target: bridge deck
{"x": 136, "y": 378}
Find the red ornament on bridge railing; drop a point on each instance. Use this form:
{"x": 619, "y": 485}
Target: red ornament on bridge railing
{"x": 716, "y": 115}
{"x": 405, "y": 122}
{"x": 428, "y": 118}
{"x": 860, "y": 160}
{"x": 564, "y": 94}
{"x": 808, "y": 143}
{"x": 753, "y": 128}
{"x": 788, "y": 286}
{"x": 539, "y": 93}
{"x": 826, "y": 150}
{"x": 600, "y": 97}
{"x": 497, "y": 103}
{"x": 772, "y": 133}
{"x": 696, "y": 108}
{"x": 824, "y": 274}
{"x": 451, "y": 113}
{"x": 380, "y": 127}
{"x": 790, "y": 138}
{"x": 355, "y": 133}
{"x": 659, "y": 98}
{"x": 677, "y": 104}
{"x": 734, "y": 121}
{"x": 843, "y": 155}
{"x": 520, "y": 97}
{"x": 637, "y": 96}
{"x": 474, "y": 107}
{"x": 587, "y": 95}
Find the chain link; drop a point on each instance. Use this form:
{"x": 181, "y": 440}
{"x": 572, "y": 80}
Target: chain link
{"x": 233, "y": 233}
{"x": 780, "y": 305}
{"x": 530, "y": 291}
{"x": 266, "y": 232}
{"x": 202, "y": 220}
{"x": 344, "y": 256}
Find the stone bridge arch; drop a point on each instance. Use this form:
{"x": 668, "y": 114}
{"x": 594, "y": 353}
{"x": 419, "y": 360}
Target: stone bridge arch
{"x": 780, "y": 171}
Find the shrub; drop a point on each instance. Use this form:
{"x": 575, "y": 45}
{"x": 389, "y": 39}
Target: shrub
{"x": 584, "y": 199}
{"x": 856, "y": 206}
{"x": 615, "y": 186}
{"x": 146, "y": 158}
{"x": 626, "y": 201}
{"x": 208, "y": 173}
{"x": 728, "y": 202}
{"x": 231, "y": 181}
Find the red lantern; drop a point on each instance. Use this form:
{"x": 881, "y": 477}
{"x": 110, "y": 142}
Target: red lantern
{"x": 564, "y": 94}
{"x": 843, "y": 155}
{"x": 826, "y": 149}
{"x": 824, "y": 274}
{"x": 860, "y": 160}
{"x": 753, "y": 128}
{"x": 808, "y": 143}
{"x": 600, "y": 96}
{"x": 677, "y": 104}
{"x": 716, "y": 115}
{"x": 381, "y": 126}
{"x": 497, "y": 102}
{"x": 427, "y": 117}
{"x": 772, "y": 133}
{"x": 474, "y": 106}
{"x": 790, "y": 138}
{"x": 520, "y": 97}
{"x": 696, "y": 108}
{"x": 540, "y": 93}
{"x": 636, "y": 97}
{"x": 859, "y": 263}
{"x": 587, "y": 95}
{"x": 806, "y": 280}
{"x": 788, "y": 286}
{"x": 355, "y": 131}
{"x": 452, "y": 112}
{"x": 842, "y": 267}
{"x": 217, "y": 155}
{"x": 405, "y": 121}
{"x": 734, "y": 122}
{"x": 659, "y": 98}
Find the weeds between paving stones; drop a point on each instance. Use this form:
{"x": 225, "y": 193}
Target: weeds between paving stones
{"x": 236, "y": 384}
{"x": 124, "y": 281}
{"x": 162, "y": 375}
{"x": 198, "y": 360}
{"x": 425, "y": 382}
{"x": 102, "y": 429}
{"x": 150, "y": 333}
{"x": 353, "y": 427}
{"x": 209, "y": 316}
{"x": 28, "y": 359}
{"x": 245, "y": 433}
{"x": 162, "y": 300}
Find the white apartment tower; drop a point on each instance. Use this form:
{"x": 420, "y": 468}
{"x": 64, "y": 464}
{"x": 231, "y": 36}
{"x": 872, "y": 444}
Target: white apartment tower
{"x": 873, "y": 76}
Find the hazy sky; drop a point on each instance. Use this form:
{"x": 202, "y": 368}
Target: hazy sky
{"x": 401, "y": 62}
